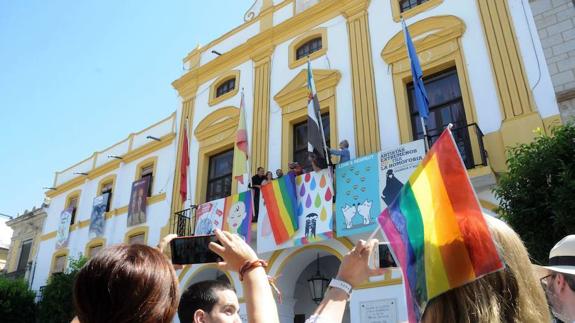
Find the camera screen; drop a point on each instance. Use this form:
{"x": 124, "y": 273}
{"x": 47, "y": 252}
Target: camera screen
{"x": 193, "y": 250}
{"x": 386, "y": 259}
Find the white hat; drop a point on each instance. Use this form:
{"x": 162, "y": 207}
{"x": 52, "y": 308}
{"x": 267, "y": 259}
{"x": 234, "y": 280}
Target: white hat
{"x": 562, "y": 256}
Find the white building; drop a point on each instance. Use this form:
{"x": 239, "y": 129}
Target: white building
{"x": 481, "y": 64}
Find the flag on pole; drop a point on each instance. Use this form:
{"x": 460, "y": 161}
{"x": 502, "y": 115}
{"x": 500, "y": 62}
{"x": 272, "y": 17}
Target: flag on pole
{"x": 417, "y": 74}
{"x": 315, "y": 137}
{"x": 184, "y": 163}
{"x": 436, "y": 229}
{"x": 241, "y": 146}
{"x": 281, "y": 204}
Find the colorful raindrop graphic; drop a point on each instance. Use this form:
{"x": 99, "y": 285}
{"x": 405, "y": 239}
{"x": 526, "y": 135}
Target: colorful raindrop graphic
{"x": 307, "y": 177}
{"x": 312, "y": 185}
{"x": 317, "y": 202}
{"x": 302, "y": 190}
{"x": 323, "y": 214}
{"x": 328, "y": 195}
{"x": 322, "y": 182}
{"x": 308, "y": 201}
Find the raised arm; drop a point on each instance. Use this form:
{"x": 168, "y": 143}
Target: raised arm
{"x": 354, "y": 270}
{"x": 240, "y": 257}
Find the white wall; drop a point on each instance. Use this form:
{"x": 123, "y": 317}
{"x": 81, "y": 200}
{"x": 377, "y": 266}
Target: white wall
{"x": 116, "y": 227}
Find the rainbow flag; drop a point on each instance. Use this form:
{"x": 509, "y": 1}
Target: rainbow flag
{"x": 238, "y": 212}
{"x": 280, "y": 199}
{"x": 436, "y": 229}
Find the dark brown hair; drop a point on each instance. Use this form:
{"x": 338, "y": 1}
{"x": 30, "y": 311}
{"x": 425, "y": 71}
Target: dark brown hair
{"x": 126, "y": 283}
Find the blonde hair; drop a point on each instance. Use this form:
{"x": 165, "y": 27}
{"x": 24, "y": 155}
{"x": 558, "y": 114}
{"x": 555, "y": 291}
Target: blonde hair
{"x": 510, "y": 295}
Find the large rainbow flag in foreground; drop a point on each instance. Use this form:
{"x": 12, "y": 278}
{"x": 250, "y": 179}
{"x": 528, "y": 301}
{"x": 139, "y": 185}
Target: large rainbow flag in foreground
{"x": 280, "y": 199}
{"x": 436, "y": 229}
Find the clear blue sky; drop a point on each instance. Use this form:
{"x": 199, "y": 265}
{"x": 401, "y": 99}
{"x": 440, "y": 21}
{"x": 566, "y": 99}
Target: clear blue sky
{"x": 79, "y": 76}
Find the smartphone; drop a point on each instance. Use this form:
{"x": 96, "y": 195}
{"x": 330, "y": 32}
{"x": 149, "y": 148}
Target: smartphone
{"x": 383, "y": 257}
{"x": 193, "y": 250}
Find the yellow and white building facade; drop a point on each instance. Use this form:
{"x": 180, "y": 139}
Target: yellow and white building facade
{"x": 484, "y": 71}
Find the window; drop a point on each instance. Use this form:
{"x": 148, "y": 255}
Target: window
{"x": 308, "y": 48}
{"x": 73, "y": 202}
{"x": 220, "y": 175}
{"x": 405, "y": 5}
{"x": 107, "y": 188}
{"x": 445, "y": 107}
{"x": 226, "y": 87}
{"x": 59, "y": 264}
{"x": 148, "y": 171}
{"x": 139, "y": 238}
{"x": 94, "y": 250}
{"x": 24, "y": 255}
{"x": 300, "y": 153}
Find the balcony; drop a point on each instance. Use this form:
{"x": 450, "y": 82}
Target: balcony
{"x": 469, "y": 140}
{"x": 184, "y": 222}
{"x": 18, "y": 274}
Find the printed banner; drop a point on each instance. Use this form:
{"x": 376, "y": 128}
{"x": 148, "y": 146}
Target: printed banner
{"x": 365, "y": 186}
{"x": 137, "y": 207}
{"x": 209, "y": 216}
{"x": 357, "y": 203}
{"x": 238, "y": 214}
{"x": 97, "y": 221}
{"x": 396, "y": 166}
{"x": 64, "y": 228}
{"x": 314, "y": 213}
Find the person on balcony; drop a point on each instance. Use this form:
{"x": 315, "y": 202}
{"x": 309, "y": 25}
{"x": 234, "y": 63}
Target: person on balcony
{"x": 342, "y": 152}
{"x": 279, "y": 173}
{"x": 256, "y": 184}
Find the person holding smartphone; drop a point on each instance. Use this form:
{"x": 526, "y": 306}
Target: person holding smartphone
{"x": 217, "y": 302}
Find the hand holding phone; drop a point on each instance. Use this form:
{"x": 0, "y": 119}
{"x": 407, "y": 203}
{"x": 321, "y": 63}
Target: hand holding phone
{"x": 193, "y": 250}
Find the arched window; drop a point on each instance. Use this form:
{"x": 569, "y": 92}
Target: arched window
{"x": 405, "y": 5}
{"x": 309, "y": 47}
{"x": 226, "y": 87}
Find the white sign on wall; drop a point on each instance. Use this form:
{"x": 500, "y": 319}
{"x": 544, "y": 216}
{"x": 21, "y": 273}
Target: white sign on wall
{"x": 379, "y": 311}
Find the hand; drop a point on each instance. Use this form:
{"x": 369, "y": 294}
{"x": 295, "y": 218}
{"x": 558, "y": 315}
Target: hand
{"x": 354, "y": 268}
{"x": 166, "y": 242}
{"x": 233, "y": 250}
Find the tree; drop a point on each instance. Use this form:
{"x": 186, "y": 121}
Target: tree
{"x": 16, "y": 301}
{"x": 538, "y": 193}
{"x": 57, "y": 304}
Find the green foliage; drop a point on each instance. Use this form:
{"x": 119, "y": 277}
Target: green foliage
{"x": 57, "y": 304}
{"x": 538, "y": 193}
{"x": 16, "y": 301}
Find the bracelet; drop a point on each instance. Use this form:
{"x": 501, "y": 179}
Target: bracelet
{"x": 340, "y": 284}
{"x": 249, "y": 265}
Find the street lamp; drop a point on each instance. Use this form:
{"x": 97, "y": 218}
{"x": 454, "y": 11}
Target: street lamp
{"x": 317, "y": 284}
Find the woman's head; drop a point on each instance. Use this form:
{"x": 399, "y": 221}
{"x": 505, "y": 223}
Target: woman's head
{"x": 269, "y": 175}
{"x": 509, "y": 295}
{"x": 127, "y": 283}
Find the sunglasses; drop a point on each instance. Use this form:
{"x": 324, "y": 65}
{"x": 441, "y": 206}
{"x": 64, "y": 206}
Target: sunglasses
{"x": 544, "y": 282}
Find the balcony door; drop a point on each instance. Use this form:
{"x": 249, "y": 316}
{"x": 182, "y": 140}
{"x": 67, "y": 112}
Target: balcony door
{"x": 445, "y": 107}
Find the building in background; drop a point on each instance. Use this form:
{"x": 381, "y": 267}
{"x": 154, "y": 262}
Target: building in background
{"x": 27, "y": 229}
{"x": 5, "y": 234}
{"x": 80, "y": 222}
{"x": 483, "y": 73}
{"x": 555, "y": 21}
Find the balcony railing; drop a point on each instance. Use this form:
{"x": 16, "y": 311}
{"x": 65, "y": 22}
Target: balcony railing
{"x": 469, "y": 140}
{"x": 16, "y": 274}
{"x": 184, "y": 222}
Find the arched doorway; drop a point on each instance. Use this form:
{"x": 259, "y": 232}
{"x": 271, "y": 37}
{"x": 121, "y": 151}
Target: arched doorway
{"x": 304, "y": 305}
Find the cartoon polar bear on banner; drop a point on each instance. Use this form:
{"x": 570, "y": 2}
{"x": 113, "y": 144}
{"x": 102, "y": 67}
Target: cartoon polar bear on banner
{"x": 236, "y": 216}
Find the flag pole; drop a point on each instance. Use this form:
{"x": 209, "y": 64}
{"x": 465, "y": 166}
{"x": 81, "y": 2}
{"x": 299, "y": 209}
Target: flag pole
{"x": 318, "y": 115}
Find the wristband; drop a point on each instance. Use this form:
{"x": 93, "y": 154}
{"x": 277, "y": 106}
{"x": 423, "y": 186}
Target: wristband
{"x": 249, "y": 265}
{"x": 341, "y": 285}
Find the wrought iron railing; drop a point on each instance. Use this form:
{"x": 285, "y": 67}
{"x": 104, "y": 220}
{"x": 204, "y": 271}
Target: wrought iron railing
{"x": 15, "y": 274}
{"x": 184, "y": 221}
{"x": 469, "y": 140}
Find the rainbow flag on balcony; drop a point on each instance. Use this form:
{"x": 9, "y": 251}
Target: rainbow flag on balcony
{"x": 436, "y": 228}
{"x": 280, "y": 200}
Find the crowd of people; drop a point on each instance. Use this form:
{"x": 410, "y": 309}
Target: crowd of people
{"x": 138, "y": 283}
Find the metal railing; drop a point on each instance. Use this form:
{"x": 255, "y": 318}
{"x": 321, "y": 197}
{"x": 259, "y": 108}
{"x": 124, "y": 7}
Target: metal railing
{"x": 469, "y": 140}
{"x": 184, "y": 221}
{"x": 16, "y": 274}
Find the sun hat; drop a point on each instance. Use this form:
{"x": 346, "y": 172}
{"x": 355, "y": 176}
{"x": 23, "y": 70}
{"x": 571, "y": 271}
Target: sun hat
{"x": 561, "y": 257}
